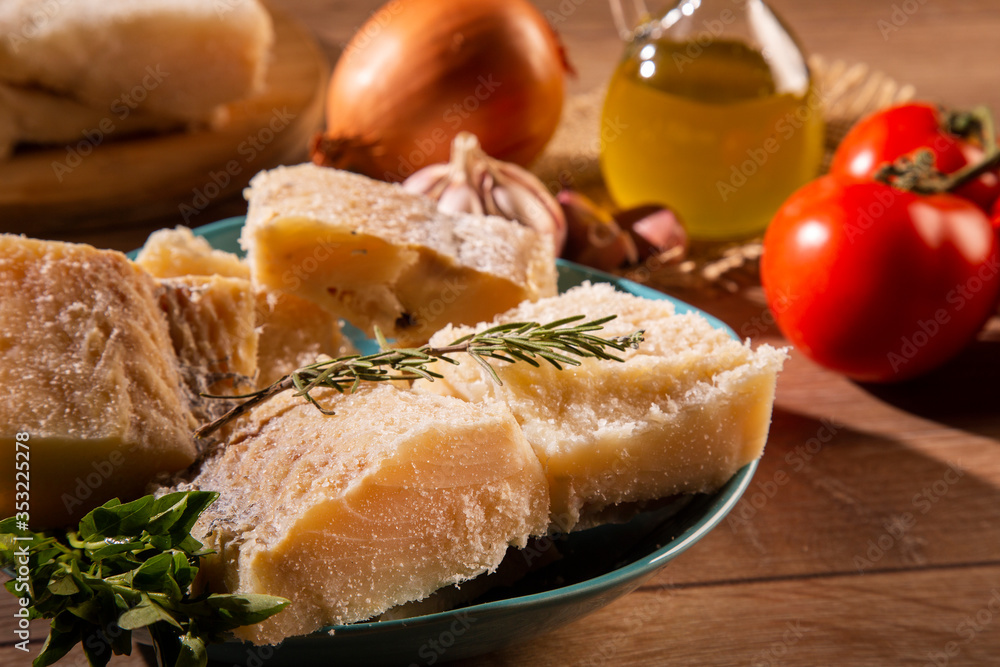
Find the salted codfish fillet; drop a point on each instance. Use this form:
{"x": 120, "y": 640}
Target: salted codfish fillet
{"x": 33, "y": 116}
{"x": 89, "y": 375}
{"x": 682, "y": 414}
{"x": 378, "y": 255}
{"x": 177, "y": 252}
{"x": 73, "y": 69}
{"x": 213, "y": 328}
{"x": 290, "y": 331}
{"x": 294, "y": 332}
{"x": 173, "y": 58}
{"x": 394, "y": 497}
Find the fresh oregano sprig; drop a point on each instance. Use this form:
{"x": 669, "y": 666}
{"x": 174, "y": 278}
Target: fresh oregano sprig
{"x": 127, "y": 566}
{"x": 560, "y": 343}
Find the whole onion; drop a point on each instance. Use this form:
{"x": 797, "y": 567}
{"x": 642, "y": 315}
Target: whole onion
{"x": 421, "y": 71}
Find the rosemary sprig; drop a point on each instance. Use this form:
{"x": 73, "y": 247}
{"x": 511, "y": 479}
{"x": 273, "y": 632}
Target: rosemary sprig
{"x": 127, "y": 566}
{"x": 560, "y": 343}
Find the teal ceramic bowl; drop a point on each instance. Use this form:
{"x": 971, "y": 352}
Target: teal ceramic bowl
{"x": 596, "y": 565}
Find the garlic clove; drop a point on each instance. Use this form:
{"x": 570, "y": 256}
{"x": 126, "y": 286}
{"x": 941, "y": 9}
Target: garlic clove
{"x": 473, "y": 182}
{"x": 593, "y": 237}
{"x": 655, "y": 230}
{"x": 432, "y": 179}
{"x": 513, "y": 201}
{"x": 460, "y": 198}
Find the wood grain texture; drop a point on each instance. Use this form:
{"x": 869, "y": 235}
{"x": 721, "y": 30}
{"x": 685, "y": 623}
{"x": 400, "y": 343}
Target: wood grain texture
{"x": 908, "y": 618}
{"x": 871, "y": 532}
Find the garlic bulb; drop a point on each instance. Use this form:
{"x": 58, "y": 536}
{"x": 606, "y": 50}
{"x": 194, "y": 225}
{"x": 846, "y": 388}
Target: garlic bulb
{"x": 473, "y": 182}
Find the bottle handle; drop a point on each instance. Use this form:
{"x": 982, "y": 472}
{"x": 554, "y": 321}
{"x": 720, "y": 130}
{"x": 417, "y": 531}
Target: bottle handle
{"x": 628, "y": 15}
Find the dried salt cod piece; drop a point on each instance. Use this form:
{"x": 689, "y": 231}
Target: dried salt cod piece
{"x": 31, "y": 115}
{"x": 175, "y": 253}
{"x": 173, "y": 59}
{"x": 294, "y": 332}
{"x": 394, "y": 497}
{"x": 682, "y": 414}
{"x": 125, "y": 66}
{"x": 380, "y": 256}
{"x": 213, "y": 328}
{"x": 89, "y": 373}
{"x": 291, "y": 331}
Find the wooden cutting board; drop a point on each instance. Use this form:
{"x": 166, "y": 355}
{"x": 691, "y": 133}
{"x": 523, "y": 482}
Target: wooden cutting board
{"x": 177, "y": 174}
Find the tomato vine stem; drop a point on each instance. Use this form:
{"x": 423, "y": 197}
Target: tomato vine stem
{"x": 916, "y": 173}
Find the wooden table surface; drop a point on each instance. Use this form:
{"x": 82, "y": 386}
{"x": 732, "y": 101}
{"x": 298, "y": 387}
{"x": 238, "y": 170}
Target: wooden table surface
{"x": 871, "y": 532}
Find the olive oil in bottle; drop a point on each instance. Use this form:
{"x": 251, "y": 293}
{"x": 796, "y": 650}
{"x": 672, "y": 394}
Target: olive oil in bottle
{"x": 713, "y": 129}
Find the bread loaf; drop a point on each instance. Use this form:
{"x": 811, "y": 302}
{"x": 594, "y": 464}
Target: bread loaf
{"x": 393, "y": 497}
{"x": 682, "y": 414}
{"x": 89, "y": 374}
{"x": 380, "y": 256}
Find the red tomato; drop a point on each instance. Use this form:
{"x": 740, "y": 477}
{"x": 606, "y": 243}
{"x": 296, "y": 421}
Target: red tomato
{"x": 901, "y": 130}
{"x": 878, "y": 283}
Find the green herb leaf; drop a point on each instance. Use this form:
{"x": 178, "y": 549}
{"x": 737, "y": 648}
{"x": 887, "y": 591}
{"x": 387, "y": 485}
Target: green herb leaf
{"x": 167, "y": 511}
{"x": 560, "y": 343}
{"x": 150, "y": 575}
{"x": 246, "y": 609}
{"x": 146, "y": 613}
{"x": 128, "y": 566}
{"x": 98, "y": 649}
{"x": 63, "y": 584}
{"x": 62, "y": 637}
{"x": 87, "y": 611}
{"x": 121, "y": 640}
{"x": 193, "y": 652}
{"x": 114, "y": 519}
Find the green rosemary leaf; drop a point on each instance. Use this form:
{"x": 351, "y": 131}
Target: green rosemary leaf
{"x": 503, "y": 329}
{"x": 423, "y": 373}
{"x": 297, "y": 381}
{"x": 463, "y": 339}
{"x": 380, "y": 339}
{"x": 523, "y": 357}
{"x": 561, "y": 343}
{"x": 489, "y": 369}
{"x": 567, "y": 320}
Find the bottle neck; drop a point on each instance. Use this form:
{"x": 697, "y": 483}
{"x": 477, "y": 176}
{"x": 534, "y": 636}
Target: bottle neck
{"x": 747, "y": 22}
{"x": 710, "y": 20}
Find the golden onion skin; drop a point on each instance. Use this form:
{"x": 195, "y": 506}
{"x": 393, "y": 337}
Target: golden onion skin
{"x": 421, "y": 71}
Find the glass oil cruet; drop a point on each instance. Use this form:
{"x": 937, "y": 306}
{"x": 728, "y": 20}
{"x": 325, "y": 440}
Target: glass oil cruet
{"x": 711, "y": 112}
